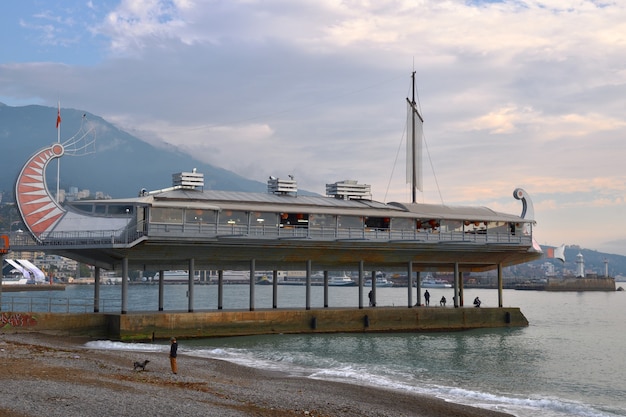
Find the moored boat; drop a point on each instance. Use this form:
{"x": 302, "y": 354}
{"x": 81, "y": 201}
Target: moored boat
{"x": 175, "y": 276}
{"x": 341, "y": 281}
{"x": 381, "y": 282}
{"x": 430, "y": 282}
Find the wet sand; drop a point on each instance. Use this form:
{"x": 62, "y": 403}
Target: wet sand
{"x": 42, "y": 375}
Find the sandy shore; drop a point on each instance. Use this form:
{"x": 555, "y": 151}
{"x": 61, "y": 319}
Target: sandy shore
{"x": 44, "y": 375}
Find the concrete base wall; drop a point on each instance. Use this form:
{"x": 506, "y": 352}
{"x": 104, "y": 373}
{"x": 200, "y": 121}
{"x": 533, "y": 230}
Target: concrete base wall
{"x": 162, "y": 325}
{"x": 70, "y": 324}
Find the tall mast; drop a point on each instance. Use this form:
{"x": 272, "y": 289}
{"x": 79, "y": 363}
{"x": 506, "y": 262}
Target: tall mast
{"x": 413, "y": 168}
{"x": 413, "y": 144}
{"x": 59, "y": 141}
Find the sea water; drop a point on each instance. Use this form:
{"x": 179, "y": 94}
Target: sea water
{"x": 570, "y": 360}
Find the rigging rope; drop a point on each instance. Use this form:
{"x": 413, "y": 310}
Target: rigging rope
{"x": 432, "y": 167}
{"x": 84, "y": 140}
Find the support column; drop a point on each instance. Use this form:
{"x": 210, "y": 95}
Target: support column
{"x": 360, "y": 284}
{"x": 325, "y": 289}
{"x": 373, "y": 290}
{"x": 124, "y": 285}
{"x": 456, "y": 284}
{"x": 252, "y": 274}
{"x": 308, "y": 285}
{"x": 220, "y": 289}
{"x": 409, "y": 279}
{"x": 192, "y": 274}
{"x": 500, "y": 285}
{"x": 96, "y": 290}
{"x": 418, "y": 284}
{"x": 275, "y": 289}
{"x": 161, "y": 289}
{"x": 461, "y": 289}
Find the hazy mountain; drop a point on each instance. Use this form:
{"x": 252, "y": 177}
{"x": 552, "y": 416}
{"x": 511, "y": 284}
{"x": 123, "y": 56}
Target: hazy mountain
{"x": 595, "y": 262}
{"x": 120, "y": 167}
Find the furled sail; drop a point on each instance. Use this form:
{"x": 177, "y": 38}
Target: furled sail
{"x": 414, "y": 146}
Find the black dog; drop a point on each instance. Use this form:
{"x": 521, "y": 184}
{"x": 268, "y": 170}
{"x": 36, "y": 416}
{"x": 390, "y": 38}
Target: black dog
{"x": 140, "y": 365}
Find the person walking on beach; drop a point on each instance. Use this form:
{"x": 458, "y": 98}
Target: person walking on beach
{"x": 173, "y": 354}
{"x": 371, "y": 297}
{"x": 427, "y": 297}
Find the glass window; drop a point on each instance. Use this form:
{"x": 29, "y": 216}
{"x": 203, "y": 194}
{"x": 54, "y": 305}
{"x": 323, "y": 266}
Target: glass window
{"x": 347, "y": 222}
{"x": 258, "y": 218}
{"x": 83, "y": 207}
{"x": 322, "y": 220}
{"x": 451, "y": 226}
{"x": 377, "y": 222}
{"x": 115, "y": 209}
{"x": 166, "y": 215}
{"x": 234, "y": 217}
{"x": 294, "y": 219}
{"x": 403, "y": 224}
{"x": 200, "y": 216}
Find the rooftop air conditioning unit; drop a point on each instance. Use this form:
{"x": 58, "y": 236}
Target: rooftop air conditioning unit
{"x": 191, "y": 180}
{"x": 349, "y": 190}
{"x": 283, "y": 187}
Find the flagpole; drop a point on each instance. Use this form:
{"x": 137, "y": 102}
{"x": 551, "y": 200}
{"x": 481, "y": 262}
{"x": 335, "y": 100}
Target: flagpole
{"x": 59, "y": 141}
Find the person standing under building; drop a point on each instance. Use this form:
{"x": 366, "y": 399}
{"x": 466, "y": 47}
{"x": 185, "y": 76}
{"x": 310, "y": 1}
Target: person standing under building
{"x": 427, "y": 297}
{"x": 173, "y": 354}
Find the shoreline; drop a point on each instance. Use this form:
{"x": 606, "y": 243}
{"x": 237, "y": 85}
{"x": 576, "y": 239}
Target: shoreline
{"x": 59, "y": 376}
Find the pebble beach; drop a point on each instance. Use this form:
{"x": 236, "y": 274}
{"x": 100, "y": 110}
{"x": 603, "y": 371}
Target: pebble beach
{"x": 46, "y": 375}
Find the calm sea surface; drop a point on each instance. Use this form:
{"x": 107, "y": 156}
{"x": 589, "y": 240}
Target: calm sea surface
{"x": 570, "y": 361}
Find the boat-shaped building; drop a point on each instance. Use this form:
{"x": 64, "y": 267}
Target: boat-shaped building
{"x": 279, "y": 230}
{"x": 187, "y": 227}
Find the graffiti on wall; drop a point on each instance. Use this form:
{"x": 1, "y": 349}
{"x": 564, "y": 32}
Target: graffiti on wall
{"x": 17, "y": 320}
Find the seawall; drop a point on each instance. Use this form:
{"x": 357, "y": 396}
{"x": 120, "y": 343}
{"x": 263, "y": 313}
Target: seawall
{"x": 162, "y": 325}
{"x": 581, "y": 284}
{"x": 570, "y": 284}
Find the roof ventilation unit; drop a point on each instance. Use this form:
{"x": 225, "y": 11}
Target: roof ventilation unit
{"x": 189, "y": 180}
{"x": 349, "y": 190}
{"x": 283, "y": 187}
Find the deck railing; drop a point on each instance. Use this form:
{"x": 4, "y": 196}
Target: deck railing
{"x": 111, "y": 238}
{"x": 50, "y": 304}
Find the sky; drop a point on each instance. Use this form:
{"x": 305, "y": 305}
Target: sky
{"x": 518, "y": 93}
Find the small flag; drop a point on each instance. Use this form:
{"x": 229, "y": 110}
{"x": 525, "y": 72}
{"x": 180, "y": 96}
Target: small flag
{"x": 58, "y": 117}
{"x": 556, "y": 253}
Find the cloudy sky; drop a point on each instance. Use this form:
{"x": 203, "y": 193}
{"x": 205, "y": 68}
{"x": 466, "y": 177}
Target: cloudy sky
{"x": 519, "y": 93}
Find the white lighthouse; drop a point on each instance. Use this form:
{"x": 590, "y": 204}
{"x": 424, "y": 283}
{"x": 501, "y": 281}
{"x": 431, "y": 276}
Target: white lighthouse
{"x": 580, "y": 265}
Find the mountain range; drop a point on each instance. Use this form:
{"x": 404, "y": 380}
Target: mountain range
{"x": 121, "y": 165}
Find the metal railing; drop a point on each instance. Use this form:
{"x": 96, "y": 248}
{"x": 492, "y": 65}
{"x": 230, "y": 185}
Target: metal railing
{"x": 46, "y": 304}
{"x": 331, "y": 233}
{"x": 86, "y": 238}
{"x": 116, "y": 237}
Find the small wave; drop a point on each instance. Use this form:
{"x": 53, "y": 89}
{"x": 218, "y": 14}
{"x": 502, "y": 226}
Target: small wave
{"x": 139, "y": 347}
